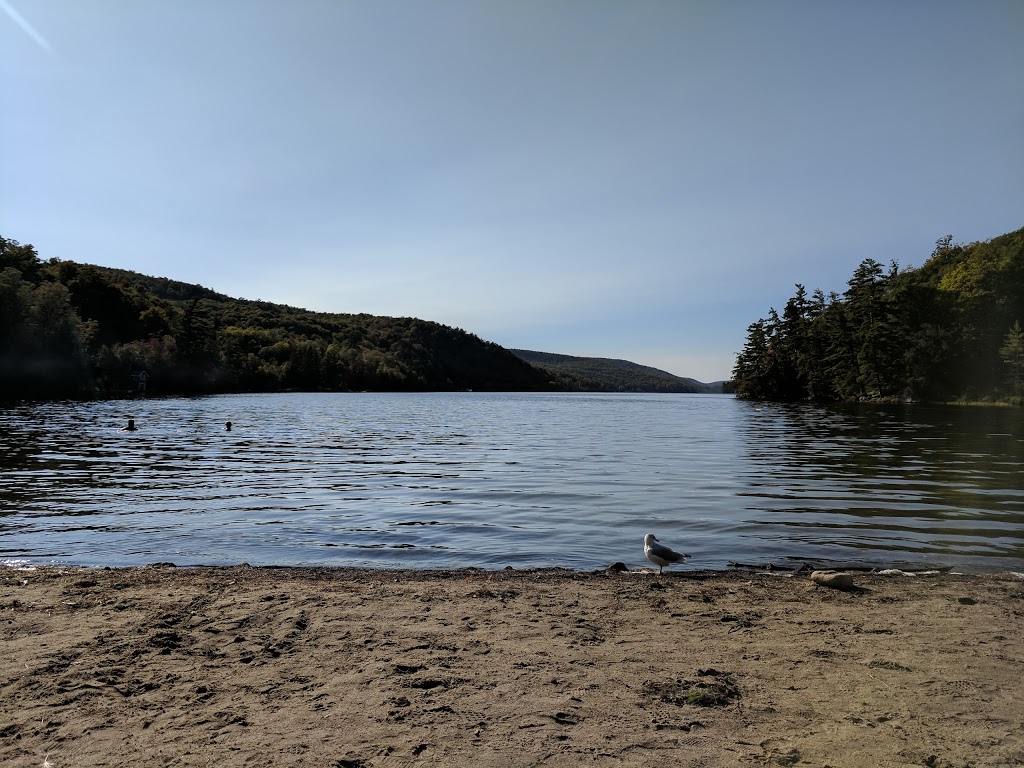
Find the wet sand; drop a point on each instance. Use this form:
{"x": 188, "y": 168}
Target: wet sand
{"x": 335, "y": 667}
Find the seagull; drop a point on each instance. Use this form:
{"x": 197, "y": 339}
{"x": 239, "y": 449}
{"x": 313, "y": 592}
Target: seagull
{"x": 659, "y": 554}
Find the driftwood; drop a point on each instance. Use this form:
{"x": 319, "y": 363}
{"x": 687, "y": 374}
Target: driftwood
{"x": 833, "y": 579}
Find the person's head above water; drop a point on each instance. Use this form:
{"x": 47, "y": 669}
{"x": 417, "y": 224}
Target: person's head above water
{"x": 131, "y": 426}
{"x": 227, "y": 425}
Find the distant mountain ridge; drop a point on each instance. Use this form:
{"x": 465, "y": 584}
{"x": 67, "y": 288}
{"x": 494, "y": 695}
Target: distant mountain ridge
{"x": 612, "y": 375}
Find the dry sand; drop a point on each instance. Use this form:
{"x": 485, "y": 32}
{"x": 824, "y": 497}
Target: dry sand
{"x": 334, "y": 667}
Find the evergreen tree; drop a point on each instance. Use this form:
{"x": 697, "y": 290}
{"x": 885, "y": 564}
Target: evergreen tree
{"x": 1012, "y": 354}
{"x": 841, "y": 368}
{"x": 814, "y": 355}
{"x": 934, "y": 333}
{"x": 750, "y": 362}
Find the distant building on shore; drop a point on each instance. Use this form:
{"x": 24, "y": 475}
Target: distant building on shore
{"x": 140, "y": 380}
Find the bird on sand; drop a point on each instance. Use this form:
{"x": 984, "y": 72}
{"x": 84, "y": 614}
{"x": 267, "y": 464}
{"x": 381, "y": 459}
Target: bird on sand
{"x": 659, "y": 554}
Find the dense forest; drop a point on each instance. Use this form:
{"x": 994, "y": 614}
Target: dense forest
{"x": 599, "y": 374}
{"x": 949, "y": 330}
{"x": 71, "y": 330}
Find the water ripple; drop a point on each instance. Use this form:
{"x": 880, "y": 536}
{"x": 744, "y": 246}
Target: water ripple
{"x": 441, "y": 480}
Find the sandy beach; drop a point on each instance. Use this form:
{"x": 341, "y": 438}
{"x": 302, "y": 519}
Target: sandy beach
{"x": 246, "y": 666}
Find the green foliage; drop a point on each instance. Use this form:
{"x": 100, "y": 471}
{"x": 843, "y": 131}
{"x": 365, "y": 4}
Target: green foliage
{"x": 21, "y": 258}
{"x": 944, "y": 331}
{"x": 69, "y": 329}
{"x": 42, "y": 338}
{"x": 1012, "y": 353}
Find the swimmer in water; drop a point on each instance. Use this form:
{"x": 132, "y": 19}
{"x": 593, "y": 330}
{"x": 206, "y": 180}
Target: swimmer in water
{"x": 131, "y": 426}
{"x": 227, "y": 426}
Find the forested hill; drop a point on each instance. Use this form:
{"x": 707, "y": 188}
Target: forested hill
{"x": 607, "y": 375}
{"x": 70, "y": 329}
{"x": 948, "y": 330}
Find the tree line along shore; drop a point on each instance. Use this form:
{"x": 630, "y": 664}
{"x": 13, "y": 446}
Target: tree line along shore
{"x": 947, "y": 331}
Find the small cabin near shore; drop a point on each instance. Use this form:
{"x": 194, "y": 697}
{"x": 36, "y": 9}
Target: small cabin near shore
{"x": 140, "y": 380}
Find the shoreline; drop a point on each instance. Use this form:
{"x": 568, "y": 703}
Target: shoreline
{"x": 741, "y": 569}
{"x": 292, "y": 665}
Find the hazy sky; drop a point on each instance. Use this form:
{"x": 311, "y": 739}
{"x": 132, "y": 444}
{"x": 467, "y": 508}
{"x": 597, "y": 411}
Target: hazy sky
{"x": 624, "y": 179}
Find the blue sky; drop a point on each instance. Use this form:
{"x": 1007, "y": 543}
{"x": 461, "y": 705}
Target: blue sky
{"x": 637, "y": 180}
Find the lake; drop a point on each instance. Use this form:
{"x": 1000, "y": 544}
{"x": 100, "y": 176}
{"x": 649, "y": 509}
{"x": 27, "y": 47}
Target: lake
{"x": 522, "y": 480}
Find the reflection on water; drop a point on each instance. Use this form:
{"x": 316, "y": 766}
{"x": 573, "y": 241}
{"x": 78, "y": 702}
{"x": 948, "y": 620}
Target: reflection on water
{"x": 925, "y": 483}
{"x": 438, "y": 480}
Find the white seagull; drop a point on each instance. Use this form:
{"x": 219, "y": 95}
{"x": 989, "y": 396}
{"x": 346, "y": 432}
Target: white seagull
{"x": 659, "y": 554}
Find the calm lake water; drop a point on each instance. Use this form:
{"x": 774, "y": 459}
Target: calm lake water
{"x": 522, "y": 480}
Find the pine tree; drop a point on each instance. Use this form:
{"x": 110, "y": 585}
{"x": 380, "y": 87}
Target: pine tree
{"x": 747, "y": 378}
{"x": 1012, "y": 354}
